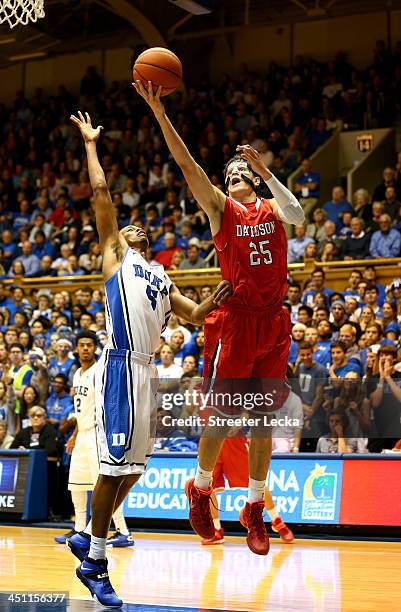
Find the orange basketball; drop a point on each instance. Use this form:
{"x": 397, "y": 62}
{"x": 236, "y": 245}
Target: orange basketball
{"x": 161, "y": 66}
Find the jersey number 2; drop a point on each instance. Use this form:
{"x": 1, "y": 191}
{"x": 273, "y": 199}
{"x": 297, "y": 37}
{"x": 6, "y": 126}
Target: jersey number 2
{"x": 259, "y": 252}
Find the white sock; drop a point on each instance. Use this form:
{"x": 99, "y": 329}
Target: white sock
{"x": 119, "y": 521}
{"x": 98, "y": 548}
{"x": 203, "y": 478}
{"x": 79, "y": 499}
{"x": 273, "y": 514}
{"x": 88, "y": 528}
{"x": 256, "y": 489}
{"x": 217, "y": 524}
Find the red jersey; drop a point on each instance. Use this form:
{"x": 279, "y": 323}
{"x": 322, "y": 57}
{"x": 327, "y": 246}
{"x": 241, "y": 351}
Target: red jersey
{"x": 252, "y": 250}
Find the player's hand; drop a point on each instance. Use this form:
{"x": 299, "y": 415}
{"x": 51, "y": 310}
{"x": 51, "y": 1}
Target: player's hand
{"x": 84, "y": 124}
{"x": 252, "y": 157}
{"x": 70, "y": 444}
{"x": 150, "y": 97}
{"x": 222, "y": 293}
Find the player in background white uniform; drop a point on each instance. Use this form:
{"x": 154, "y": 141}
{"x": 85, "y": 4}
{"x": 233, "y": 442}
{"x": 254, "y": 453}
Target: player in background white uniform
{"x": 84, "y": 467}
{"x": 139, "y": 300}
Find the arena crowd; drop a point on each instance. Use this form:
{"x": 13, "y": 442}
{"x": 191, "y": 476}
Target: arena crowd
{"x": 345, "y": 360}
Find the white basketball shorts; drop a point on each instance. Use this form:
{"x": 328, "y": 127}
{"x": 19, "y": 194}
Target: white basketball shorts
{"x": 125, "y": 387}
{"x": 84, "y": 467}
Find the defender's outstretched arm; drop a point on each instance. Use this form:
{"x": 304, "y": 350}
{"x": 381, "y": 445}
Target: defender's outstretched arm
{"x": 112, "y": 245}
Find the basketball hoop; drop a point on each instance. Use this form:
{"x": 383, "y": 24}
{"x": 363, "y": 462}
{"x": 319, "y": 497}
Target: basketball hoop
{"x": 20, "y": 12}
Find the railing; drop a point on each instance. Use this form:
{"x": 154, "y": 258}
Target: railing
{"x": 337, "y": 273}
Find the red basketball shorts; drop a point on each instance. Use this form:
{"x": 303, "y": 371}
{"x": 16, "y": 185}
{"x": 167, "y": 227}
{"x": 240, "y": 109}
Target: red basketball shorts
{"x": 246, "y": 353}
{"x": 232, "y": 464}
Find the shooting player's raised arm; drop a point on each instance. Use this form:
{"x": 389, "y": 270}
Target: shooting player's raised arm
{"x": 209, "y": 197}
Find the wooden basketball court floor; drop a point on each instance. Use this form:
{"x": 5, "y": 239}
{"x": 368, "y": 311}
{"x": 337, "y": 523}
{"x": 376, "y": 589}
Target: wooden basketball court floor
{"x": 175, "y": 573}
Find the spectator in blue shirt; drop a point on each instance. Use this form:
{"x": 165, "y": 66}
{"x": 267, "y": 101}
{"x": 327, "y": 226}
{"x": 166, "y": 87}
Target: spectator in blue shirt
{"x": 30, "y": 261}
{"x": 386, "y": 242}
{"x": 59, "y": 402}
{"x": 341, "y": 366}
{"x": 318, "y": 136}
{"x": 41, "y": 246}
{"x": 317, "y": 277}
{"x": 336, "y": 207}
{"x": 296, "y": 246}
{"x": 307, "y": 187}
{"x": 8, "y": 246}
{"x": 22, "y": 217}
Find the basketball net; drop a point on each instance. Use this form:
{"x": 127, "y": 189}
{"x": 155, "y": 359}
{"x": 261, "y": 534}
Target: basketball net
{"x": 16, "y": 12}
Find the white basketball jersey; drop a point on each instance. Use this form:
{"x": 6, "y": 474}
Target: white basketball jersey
{"x": 84, "y": 397}
{"x": 137, "y": 304}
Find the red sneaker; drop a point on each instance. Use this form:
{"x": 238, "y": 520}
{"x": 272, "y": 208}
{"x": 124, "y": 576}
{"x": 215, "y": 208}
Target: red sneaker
{"x": 251, "y": 518}
{"x": 281, "y": 528}
{"x": 200, "y": 516}
{"x": 218, "y": 538}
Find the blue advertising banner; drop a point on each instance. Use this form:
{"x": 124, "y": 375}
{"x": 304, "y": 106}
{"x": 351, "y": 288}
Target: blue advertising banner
{"x": 8, "y": 475}
{"x": 304, "y": 490}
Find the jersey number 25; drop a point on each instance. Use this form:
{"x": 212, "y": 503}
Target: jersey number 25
{"x": 259, "y": 253}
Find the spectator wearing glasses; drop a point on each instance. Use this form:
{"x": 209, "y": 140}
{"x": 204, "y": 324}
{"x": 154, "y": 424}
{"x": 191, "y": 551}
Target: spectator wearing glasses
{"x": 39, "y": 434}
{"x": 386, "y": 242}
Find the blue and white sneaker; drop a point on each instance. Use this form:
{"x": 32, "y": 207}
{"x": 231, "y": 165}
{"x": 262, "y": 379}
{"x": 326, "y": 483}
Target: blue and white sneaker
{"x": 62, "y": 539}
{"x": 79, "y": 544}
{"x": 94, "y": 575}
{"x": 119, "y": 540}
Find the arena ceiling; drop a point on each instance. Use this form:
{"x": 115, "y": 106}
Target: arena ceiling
{"x": 82, "y": 25}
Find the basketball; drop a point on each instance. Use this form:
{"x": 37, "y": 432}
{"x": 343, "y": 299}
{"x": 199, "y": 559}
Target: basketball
{"x": 161, "y": 66}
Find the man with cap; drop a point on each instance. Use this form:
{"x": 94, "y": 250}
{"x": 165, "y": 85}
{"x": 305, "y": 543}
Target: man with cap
{"x": 338, "y": 317}
{"x": 88, "y": 236}
{"x": 193, "y": 260}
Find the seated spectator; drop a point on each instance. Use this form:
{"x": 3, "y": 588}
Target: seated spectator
{"x": 307, "y": 187}
{"x": 361, "y": 204}
{"x": 91, "y": 262}
{"x": 330, "y": 237}
{"x": 329, "y": 252}
{"x": 46, "y": 266}
{"x": 305, "y": 315}
{"x": 379, "y": 193}
{"x": 294, "y": 300}
{"x": 386, "y": 242}
{"x": 30, "y": 261}
{"x": 165, "y": 256}
{"x": 29, "y": 398}
{"x": 60, "y": 265}
{"x": 321, "y": 354}
{"x": 315, "y": 230}
{"x": 174, "y": 325}
{"x": 7, "y": 405}
{"x": 335, "y": 441}
{"x": 190, "y": 365}
{"x": 336, "y": 207}
{"x": 6, "y": 438}
{"x": 297, "y": 336}
{"x": 356, "y": 245}
{"x": 9, "y": 247}
{"x": 373, "y": 223}
{"x": 391, "y": 205}
{"x": 59, "y": 404}
{"x": 193, "y": 261}
{"x": 39, "y": 434}
{"x": 318, "y": 278}
{"x": 296, "y": 246}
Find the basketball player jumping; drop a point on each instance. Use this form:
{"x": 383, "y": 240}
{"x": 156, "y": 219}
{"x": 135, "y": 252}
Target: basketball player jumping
{"x": 139, "y": 300}
{"x": 249, "y": 337}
